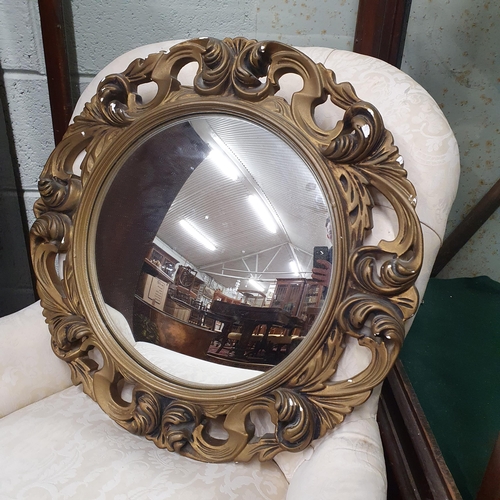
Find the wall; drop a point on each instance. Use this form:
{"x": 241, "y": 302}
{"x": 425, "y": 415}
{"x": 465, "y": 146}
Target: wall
{"x": 21, "y": 58}
{"x": 452, "y": 50}
{"x": 104, "y": 30}
{"x": 16, "y": 287}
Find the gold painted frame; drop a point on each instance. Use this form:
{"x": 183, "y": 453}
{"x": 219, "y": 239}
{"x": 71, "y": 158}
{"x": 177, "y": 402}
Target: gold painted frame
{"x": 372, "y": 296}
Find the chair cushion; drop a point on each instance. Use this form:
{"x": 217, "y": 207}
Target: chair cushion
{"x": 348, "y": 464}
{"x": 66, "y": 447}
{"x": 29, "y": 370}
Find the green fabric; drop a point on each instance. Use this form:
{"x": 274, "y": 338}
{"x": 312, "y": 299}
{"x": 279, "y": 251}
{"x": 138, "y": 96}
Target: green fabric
{"x": 452, "y": 356}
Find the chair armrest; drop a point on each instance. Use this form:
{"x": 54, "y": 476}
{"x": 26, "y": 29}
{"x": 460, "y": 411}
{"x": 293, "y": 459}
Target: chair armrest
{"x": 348, "y": 463}
{"x": 29, "y": 370}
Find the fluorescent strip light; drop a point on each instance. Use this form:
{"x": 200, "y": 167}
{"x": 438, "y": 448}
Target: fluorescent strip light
{"x": 256, "y": 285}
{"x": 196, "y": 234}
{"x": 263, "y": 213}
{"x": 224, "y": 164}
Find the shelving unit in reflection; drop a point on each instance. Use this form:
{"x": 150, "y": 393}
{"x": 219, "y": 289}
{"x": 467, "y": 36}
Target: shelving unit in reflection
{"x": 178, "y": 310}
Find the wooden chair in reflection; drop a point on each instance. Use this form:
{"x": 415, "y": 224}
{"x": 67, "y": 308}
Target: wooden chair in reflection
{"x": 186, "y": 284}
{"x": 264, "y": 334}
{"x": 276, "y": 342}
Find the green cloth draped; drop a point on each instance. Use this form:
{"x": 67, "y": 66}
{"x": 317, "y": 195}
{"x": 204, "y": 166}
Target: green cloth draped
{"x": 452, "y": 356}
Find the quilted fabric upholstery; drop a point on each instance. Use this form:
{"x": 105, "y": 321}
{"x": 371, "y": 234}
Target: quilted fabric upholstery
{"x": 29, "y": 370}
{"x": 65, "y": 446}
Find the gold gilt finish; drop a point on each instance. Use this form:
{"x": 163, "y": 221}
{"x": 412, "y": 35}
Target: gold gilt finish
{"x": 374, "y": 288}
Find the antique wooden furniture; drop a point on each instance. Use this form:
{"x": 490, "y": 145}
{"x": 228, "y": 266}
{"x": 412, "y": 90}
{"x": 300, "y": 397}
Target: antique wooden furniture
{"x": 160, "y": 263}
{"x": 187, "y": 285}
{"x": 289, "y": 295}
{"x": 174, "y": 333}
{"x": 301, "y": 297}
{"x": 249, "y": 318}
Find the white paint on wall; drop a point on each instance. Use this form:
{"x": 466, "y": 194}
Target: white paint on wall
{"x": 21, "y": 46}
{"x": 452, "y": 51}
{"x": 105, "y": 30}
{"x": 480, "y": 256}
{"x": 22, "y": 62}
{"x": 31, "y": 122}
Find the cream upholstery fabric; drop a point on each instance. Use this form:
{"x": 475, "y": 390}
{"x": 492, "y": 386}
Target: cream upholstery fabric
{"x": 175, "y": 364}
{"x": 65, "y": 446}
{"x": 29, "y": 370}
{"x": 420, "y": 130}
{"x": 103, "y": 461}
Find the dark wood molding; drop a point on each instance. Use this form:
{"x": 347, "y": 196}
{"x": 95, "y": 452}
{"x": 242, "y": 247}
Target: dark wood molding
{"x": 415, "y": 466}
{"x": 490, "y": 486}
{"x": 56, "y": 63}
{"x": 381, "y": 29}
{"x": 466, "y": 229}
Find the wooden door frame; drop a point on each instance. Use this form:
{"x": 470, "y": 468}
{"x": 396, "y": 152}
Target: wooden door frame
{"x": 381, "y": 29}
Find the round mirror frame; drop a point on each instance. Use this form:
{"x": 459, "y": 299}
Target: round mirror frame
{"x": 372, "y": 296}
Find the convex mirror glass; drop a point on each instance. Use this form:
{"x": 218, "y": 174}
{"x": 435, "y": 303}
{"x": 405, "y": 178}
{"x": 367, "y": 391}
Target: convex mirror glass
{"x": 216, "y": 264}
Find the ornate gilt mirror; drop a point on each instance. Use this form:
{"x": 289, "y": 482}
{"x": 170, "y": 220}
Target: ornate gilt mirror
{"x": 176, "y": 238}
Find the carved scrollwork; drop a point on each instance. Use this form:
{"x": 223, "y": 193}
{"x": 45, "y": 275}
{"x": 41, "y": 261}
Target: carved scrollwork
{"x": 296, "y": 419}
{"x": 179, "y": 420}
{"x": 146, "y": 417}
{"x": 374, "y": 297}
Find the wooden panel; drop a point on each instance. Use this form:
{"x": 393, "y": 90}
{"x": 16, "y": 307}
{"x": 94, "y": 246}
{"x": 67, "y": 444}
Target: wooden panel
{"x": 381, "y": 29}
{"x": 416, "y": 468}
{"x": 288, "y": 294}
{"x": 56, "y": 63}
{"x": 490, "y": 487}
{"x": 176, "y": 335}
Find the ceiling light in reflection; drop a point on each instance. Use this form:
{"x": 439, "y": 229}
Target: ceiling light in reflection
{"x": 264, "y": 214}
{"x": 195, "y": 233}
{"x": 224, "y": 163}
{"x": 294, "y": 267}
{"x": 255, "y": 284}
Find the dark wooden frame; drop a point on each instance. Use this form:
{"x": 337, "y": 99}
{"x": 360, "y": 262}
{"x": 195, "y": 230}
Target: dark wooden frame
{"x": 416, "y": 469}
{"x": 466, "y": 229}
{"x": 57, "y": 65}
{"x": 381, "y": 29}
{"x": 490, "y": 486}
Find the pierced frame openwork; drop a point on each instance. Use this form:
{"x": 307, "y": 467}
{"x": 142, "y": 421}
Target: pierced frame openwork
{"x": 372, "y": 296}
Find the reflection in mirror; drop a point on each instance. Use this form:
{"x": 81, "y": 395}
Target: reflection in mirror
{"x": 228, "y": 223}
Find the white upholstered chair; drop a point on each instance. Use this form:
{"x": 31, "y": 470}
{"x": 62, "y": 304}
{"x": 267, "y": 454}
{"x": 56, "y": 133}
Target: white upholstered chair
{"x": 56, "y": 442}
